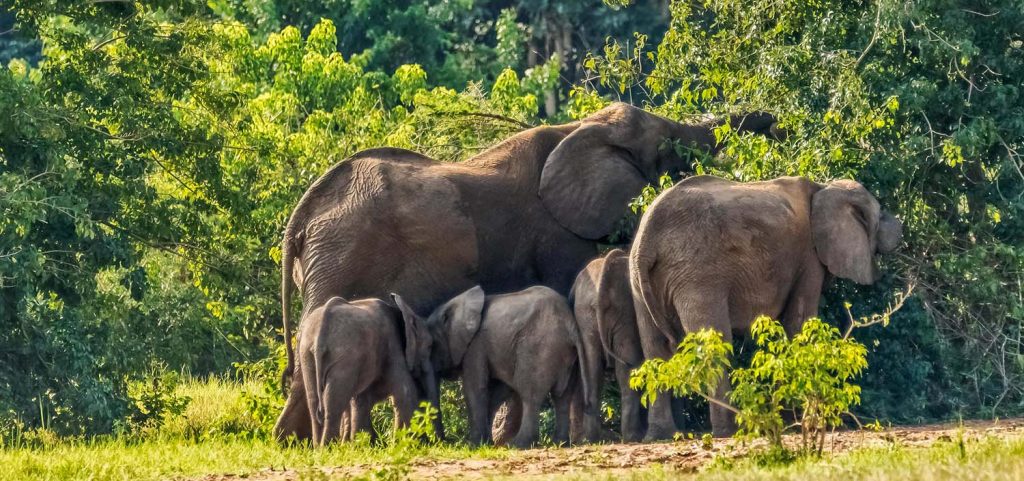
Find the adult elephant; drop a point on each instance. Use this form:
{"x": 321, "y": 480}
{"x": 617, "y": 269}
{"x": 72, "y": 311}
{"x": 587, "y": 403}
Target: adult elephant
{"x": 715, "y": 253}
{"x": 527, "y": 211}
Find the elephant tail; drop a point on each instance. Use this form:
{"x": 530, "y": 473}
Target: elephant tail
{"x": 640, "y": 270}
{"x": 287, "y": 289}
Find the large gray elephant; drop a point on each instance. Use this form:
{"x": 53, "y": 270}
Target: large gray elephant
{"x": 603, "y": 305}
{"x": 715, "y": 253}
{"x": 528, "y": 211}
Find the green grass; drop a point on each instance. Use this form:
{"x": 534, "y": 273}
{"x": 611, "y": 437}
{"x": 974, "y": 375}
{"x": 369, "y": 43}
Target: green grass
{"x": 213, "y": 436}
{"x": 985, "y": 459}
{"x": 167, "y": 458}
{"x": 216, "y": 407}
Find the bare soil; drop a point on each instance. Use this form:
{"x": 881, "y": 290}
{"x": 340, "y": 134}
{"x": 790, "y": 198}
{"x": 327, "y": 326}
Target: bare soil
{"x": 684, "y": 455}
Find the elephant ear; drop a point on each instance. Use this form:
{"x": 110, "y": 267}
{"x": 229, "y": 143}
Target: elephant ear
{"x": 844, "y": 221}
{"x": 615, "y": 314}
{"x": 417, "y": 338}
{"x": 588, "y": 180}
{"x": 462, "y": 316}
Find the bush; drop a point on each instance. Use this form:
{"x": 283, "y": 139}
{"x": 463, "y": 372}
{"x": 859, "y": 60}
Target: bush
{"x": 154, "y": 398}
{"x": 808, "y": 375}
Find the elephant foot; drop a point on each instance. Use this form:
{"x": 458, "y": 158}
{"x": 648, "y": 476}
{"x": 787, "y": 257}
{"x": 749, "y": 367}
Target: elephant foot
{"x": 659, "y": 434}
{"x": 632, "y": 437}
{"x": 724, "y": 431}
{"x": 518, "y": 443}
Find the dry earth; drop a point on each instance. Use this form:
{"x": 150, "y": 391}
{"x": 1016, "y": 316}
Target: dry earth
{"x": 686, "y": 455}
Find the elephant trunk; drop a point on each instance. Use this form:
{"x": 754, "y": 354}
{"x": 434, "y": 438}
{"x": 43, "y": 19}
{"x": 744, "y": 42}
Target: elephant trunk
{"x": 432, "y": 384}
{"x": 890, "y": 233}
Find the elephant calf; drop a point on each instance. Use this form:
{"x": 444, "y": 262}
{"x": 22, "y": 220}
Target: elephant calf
{"x": 358, "y": 349}
{"x": 602, "y": 302}
{"x": 526, "y": 342}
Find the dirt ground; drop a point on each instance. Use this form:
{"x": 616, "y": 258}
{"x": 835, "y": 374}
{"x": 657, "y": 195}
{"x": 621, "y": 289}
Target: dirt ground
{"x": 684, "y": 455}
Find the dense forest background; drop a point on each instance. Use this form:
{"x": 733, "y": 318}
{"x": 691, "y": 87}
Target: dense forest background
{"x": 151, "y": 152}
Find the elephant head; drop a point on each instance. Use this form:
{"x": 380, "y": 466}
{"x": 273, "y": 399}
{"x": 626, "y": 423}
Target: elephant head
{"x": 442, "y": 339}
{"x": 418, "y": 348}
{"x": 849, "y": 227}
{"x": 616, "y": 317}
{"x": 612, "y": 155}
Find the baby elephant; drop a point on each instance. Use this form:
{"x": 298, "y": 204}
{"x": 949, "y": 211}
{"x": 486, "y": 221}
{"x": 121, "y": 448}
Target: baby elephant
{"x": 603, "y": 305}
{"x": 526, "y": 342}
{"x": 361, "y": 349}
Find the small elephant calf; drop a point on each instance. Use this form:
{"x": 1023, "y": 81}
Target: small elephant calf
{"x": 602, "y": 302}
{"x": 361, "y": 349}
{"x": 526, "y": 342}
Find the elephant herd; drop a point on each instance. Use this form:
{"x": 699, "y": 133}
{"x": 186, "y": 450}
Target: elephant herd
{"x": 412, "y": 271}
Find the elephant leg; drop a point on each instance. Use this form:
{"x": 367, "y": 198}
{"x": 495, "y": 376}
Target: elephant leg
{"x": 361, "y": 407}
{"x": 346, "y": 424}
{"x": 294, "y": 421}
{"x": 336, "y": 396}
{"x": 529, "y": 428}
{"x": 632, "y": 422}
{"x": 803, "y": 300}
{"x": 562, "y": 402}
{"x": 695, "y": 314}
{"x": 577, "y": 420}
{"x": 723, "y": 421}
{"x": 660, "y": 424}
{"x": 475, "y": 390}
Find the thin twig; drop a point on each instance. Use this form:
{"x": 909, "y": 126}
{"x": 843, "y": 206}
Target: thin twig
{"x": 874, "y": 37}
{"x": 492, "y": 116}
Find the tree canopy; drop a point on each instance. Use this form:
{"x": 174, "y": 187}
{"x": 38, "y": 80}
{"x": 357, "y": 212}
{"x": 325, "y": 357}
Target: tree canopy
{"x": 150, "y": 153}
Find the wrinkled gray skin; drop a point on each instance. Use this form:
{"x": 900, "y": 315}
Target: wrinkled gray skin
{"x": 526, "y": 212}
{"x": 603, "y": 305}
{"x": 715, "y": 253}
{"x": 363, "y": 348}
{"x": 525, "y": 342}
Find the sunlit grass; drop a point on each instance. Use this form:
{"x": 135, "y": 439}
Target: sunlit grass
{"x": 213, "y": 436}
{"x": 215, "y": 407}
{"x": 168, "y": 458}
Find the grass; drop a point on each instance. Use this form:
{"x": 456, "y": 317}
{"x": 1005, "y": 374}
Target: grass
{"x": 168, "y": 458}
{"x": 212, "y": 437}
{"x": 985, "y": 459}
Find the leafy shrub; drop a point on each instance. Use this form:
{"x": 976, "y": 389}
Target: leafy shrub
{"x": 264, "y": 401}
{"x": 808, "y": 375}
{"x": 153, "y": 399}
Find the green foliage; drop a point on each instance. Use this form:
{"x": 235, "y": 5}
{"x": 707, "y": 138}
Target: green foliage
{"x": 265, "y": 402}
{"x": 150, "y": 153}
{"x": 640, "y": 203}
{"x": 920, "y": 103}
{"x": 697, "y": 367}
{"x": 154, "y": 399}
{"x": 808, "y": 375}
